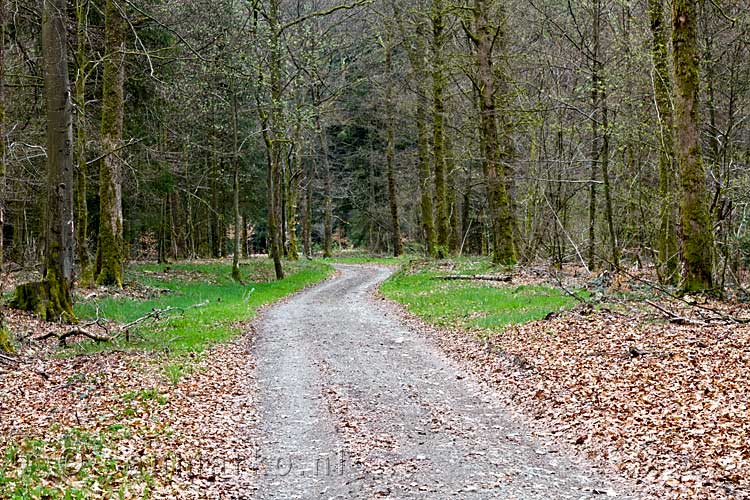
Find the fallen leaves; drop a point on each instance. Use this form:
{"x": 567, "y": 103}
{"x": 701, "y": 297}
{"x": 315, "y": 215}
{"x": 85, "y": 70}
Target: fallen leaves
{"x": 115, "y": 425}
{"x": 664, "y": 403}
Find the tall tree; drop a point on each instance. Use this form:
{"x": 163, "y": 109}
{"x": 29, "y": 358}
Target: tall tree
{"x": 662, "y": 83}
{"x": 438, "y": 125}
{"x": 485, "y": 38}
{"x": 51, "y": 299}
{"x": 237, "y": 254}
{"x": 109, "y": 253}
{"x": 391, "y": 146}
{"x": 81, "y": 209}
{"x": 417, "y": 52}
{"x": 3, "y": 117}
{"x": 697, "y": 238}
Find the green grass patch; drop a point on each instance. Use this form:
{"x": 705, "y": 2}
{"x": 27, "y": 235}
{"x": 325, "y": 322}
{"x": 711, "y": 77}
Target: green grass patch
{"x": 472, "y": 305}
{"x": 77, "y": 465}
{"x": 223, "y": 302}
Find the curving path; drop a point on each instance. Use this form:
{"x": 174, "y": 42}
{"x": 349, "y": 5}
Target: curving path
{"x": 355, "y": 405}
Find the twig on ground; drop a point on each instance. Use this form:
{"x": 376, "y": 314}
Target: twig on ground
{"x": 569, "y": 292}
{"x": 674, "y": 318}
{"x": 476, "y": 277}
{"x": 155, "y": 314}
{"x": 8, "y": 359}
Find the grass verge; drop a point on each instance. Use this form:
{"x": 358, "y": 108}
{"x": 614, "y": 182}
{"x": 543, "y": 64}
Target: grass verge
{"x": 484, "y": 307}
{"x": 206, "y": 304}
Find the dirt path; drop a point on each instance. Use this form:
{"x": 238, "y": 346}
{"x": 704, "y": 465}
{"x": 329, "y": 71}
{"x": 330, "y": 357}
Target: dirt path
{"x": 354, "y": 405}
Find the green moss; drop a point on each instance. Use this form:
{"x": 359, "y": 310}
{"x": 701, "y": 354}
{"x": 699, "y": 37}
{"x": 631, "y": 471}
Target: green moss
{"x": 6, "y": 342}
{"x": 49, "y": 300}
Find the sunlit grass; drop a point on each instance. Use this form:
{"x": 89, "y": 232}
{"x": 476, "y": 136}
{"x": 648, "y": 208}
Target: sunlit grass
{"x": 473, "y": 305}
{"x": 205, "y": 303}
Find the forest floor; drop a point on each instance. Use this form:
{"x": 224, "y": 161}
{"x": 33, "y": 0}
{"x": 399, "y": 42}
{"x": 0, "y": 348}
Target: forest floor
{"x": 164, "y": 413}
{"x": 652, "y": 386}
{"x": 528, "y": 383}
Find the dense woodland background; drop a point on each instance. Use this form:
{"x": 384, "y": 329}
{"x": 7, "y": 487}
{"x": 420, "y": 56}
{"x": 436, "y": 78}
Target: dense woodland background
{"x": 557, "y": 130}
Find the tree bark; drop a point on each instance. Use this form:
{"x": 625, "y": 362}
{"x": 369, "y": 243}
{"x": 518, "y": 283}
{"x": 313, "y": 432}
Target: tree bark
{"x": 667, "y": 238}
{"x": 697, "y": 238}
{"x": 292, "y": 199}
{"x": 237, "y": 254}
{"x": 109, "y": 256}
{"x": 503, "y": 251}
{"x": 438, "y": 125}
{"x": 391, "y": 148}
{"x": 3, "y": 145}
{"x": 86, "y": 277}
{"x": 327, "y": 182}
{"x": 417, "y": 53}
{"x": 56, "y": 297}
{"x": 274, "y": 174}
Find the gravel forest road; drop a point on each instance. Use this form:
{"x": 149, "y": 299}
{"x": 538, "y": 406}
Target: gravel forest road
{"x": 355, "y": 405}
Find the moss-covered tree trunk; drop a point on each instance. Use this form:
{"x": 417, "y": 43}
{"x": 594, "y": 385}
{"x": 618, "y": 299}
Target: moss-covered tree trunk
{"x": 292, "y": 199}
{"x": 417, "y": 58}
{"x": 454, "y": 239}
{"x": 51, "y": 299}
{"x": 391, "y": 147}
{"x": 697, "y": 238}
{"x": 275, "y": 143}
{"x": 3, "y": 145}
{"x": 596, "y": 149}
{"x": 416, "y": 51}
{"x": 307, "y": 211}
{"x": 327, "y": 178}
{"x": 667, "y": 236}
{"x": 109, "y": 253}
{"x": 438, "y": 126}
{"x": 485, "y": 38}
{"x": 600, "y": 143}
{"x": 237, "y": 254}
{"x": 86, "y": 271}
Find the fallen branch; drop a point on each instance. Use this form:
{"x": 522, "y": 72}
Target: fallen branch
{"x": 564, "y": 289}
{"x": 155, "y": 314}
{"x": 8, "y": 359}
{"x": 74, "y": 333}
{"x": 674, "y": 318}
{"x": 476, "y": 277}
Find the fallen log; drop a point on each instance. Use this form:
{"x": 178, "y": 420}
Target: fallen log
{"x": 476, "y": 277}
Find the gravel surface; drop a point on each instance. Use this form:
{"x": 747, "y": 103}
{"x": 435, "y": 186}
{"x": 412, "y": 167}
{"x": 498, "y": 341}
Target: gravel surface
{"x": 353, "y": 404}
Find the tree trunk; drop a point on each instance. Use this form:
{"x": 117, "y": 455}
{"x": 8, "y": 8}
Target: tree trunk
{"x": 503, "y": 251}
{"x": 596, "y": 148}
{"x": 292, "y": 200}
{"x": 3, "y": 145}
{"x": 391, "y": 148}
{"x": 276, "y": 117}
{"x": 328, "y": 184}
{"x": 109, "y": 257}
{"x": 237, "y": 254}
{"x": 307, "y": 213}
{"x": 667, "y": 239}
{"x": 417, "y": 56}
{"x": 697, "y": 238}
{"x": 438, "y": 125}
{"x": 82, "y": 215}
{"x": 454, "y": 239}
{"x": 51, "y": 299}
{"x": 600, "y": 145}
